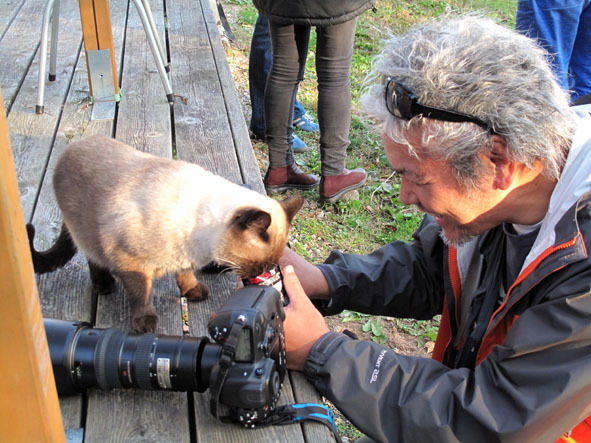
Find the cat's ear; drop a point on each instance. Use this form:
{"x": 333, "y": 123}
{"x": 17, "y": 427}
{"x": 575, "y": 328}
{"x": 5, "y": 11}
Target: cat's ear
{"x": 291, "y": 205}
{"x": 252, "y": 218}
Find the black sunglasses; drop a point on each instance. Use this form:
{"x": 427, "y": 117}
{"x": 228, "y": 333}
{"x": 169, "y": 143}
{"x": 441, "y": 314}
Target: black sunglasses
{"x": 404, "y": 104}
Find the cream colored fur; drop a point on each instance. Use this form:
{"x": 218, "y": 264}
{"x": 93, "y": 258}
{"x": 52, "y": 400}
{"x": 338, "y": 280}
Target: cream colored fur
{"x": 143, "y": 216}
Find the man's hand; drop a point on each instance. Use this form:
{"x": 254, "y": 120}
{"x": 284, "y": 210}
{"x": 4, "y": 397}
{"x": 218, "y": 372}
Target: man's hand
{"x": 303, "y": 323}
{"x": 311, "y": 278}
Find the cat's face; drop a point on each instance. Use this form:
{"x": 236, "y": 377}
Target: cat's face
{"x": 255, "y": 239}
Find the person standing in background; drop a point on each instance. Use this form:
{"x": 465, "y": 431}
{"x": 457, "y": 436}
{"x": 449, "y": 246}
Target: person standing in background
{"x": 259, "y": 66}
{"x": 290, "y": 24}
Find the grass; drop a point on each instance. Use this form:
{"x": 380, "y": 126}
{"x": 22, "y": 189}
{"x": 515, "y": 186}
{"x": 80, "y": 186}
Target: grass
{"x": 376, "y": 215}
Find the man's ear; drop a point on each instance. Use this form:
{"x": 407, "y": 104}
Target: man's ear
{"x": 504, "y": 165}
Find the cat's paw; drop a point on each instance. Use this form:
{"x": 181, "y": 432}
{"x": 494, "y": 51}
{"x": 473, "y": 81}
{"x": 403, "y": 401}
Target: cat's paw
{"x": 198, "y": 293}
{"x": 145, "y": 323}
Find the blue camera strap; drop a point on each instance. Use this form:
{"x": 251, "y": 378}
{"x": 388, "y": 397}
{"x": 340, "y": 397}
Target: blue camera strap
{"x": 290, "y": 414}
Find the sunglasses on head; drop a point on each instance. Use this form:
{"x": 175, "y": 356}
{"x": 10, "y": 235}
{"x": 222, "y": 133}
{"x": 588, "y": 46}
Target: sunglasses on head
{"x": 403, "y": 104}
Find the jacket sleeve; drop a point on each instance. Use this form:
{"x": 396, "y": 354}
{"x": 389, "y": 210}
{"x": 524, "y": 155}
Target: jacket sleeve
{"x": 399, "y": 279}
{"x": 533, "y": 387}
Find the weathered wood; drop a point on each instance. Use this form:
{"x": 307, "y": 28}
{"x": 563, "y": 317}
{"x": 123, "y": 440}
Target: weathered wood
{"x": 208, "y": 130}
{"x": 202, "y": 131}
{"x": 144, "y": 112}
{"x": 144, "y": 122}
{"x": 305, "y": 393}
{"x": 246, "y": 160}
{"x": 66, "y": 293}
{"x": 7, "y": 13}
{"x": 19, "y": 47}
{"x": 31, "y": 135}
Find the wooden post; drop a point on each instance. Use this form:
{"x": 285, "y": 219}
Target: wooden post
{"x": 28, "y": 396}
{"x": 95, "y": 16}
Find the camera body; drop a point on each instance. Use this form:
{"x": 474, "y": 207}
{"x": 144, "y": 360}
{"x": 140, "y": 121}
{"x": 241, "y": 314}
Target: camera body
{"x": 244, "y": 367}
{"x": 252, "y": 323}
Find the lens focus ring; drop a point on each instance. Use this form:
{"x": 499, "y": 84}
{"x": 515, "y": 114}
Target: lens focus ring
{"x": 143, "y": 360}
{"x": 106, "y": 361}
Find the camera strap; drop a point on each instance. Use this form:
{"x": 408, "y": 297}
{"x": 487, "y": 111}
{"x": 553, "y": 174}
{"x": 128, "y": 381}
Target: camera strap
{"x": 295, "y": 413}
{"x": 225, "y": 362}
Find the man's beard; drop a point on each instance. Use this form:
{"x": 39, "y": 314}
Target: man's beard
{"x": 464, "y": 237}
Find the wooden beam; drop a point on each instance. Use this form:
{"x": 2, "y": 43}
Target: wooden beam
{"x": 102, "y": 14}
{"x": 95, "y": 16}
{"x": 29, "y": 397}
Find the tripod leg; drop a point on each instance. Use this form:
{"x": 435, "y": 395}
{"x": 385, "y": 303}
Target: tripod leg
{"x": 54, "y": 32}
{"x": 155, "y": 51}
{"x": 43, "y": 57}
{"x": 155, "y": 33}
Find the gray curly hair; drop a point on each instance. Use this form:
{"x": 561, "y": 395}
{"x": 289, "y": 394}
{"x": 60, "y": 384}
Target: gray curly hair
{"x": 470, "y": 64}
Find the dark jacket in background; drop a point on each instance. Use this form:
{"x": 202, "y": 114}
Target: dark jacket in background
{"x": 312, "y": 12}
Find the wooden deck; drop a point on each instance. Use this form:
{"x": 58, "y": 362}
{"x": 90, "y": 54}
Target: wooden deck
{"x": 206, "y": 127}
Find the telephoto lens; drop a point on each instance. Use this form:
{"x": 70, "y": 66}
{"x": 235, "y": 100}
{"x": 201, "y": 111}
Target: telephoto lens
{"x": 85, "y": 357}
{"x": 244, "y": 366}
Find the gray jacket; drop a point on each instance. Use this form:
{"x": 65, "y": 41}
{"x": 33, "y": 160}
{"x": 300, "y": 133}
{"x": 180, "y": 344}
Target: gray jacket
{"x": 532, "y": 379}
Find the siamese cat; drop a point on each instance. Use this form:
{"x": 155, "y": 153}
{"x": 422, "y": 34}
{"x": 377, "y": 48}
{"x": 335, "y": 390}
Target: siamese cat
{"x": 139, "y": 216}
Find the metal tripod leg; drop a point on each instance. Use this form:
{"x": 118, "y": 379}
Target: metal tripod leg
{"x": 145, "y": 13}
{"x": 50, "y": 6}
{"x": 55, "y": 20}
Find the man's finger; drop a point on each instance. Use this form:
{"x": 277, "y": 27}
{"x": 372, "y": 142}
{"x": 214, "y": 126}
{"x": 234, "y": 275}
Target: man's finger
{"x": 292, "y": 285}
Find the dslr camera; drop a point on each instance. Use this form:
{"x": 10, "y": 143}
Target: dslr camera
{"x": 243, "y": 367}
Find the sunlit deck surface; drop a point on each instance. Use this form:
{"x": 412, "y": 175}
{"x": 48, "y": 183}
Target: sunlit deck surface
{"x": 205, "y": 126}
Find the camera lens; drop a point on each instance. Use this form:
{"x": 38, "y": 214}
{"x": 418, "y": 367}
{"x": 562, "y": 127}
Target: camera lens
{"x": 83, "y": 357}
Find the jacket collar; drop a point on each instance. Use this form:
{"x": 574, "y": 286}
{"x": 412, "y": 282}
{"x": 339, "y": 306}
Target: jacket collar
{"x": 575, "y": 181}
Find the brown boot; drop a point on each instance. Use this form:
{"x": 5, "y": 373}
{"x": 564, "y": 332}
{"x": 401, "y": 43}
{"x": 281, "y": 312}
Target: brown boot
{"x": 333, "y": 187}
{"x": 288, "y": 177}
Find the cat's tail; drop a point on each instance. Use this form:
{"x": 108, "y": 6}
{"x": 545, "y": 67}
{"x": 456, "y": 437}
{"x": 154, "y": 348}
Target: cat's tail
{"x": 55, "y": 257}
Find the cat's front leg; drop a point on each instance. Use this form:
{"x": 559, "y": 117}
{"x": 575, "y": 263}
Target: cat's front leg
{"x": 138, "y": 286}
{"x": 190, "y": 287}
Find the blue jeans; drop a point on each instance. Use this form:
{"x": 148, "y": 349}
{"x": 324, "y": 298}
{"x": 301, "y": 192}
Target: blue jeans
{"x": 334, "y": 51}
{"x": 564, "y": 29}
{"x": 259, "y": 66}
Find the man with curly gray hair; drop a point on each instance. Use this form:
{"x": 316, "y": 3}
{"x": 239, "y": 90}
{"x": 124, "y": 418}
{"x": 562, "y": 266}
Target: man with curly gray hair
{"x": 485, "y": 144}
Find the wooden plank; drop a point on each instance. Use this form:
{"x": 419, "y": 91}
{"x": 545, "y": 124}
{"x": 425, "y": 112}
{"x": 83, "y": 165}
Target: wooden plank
{"x": 31, "y": 135}
{"x": 27, "y": 384}
{"x": 66, "y": 293}
{"x": 144, "y": 112}
{"x": 102, "y": 17}
{"x": 306, "y": 393}
{"x": 203, "y": 134}
{"x": 143, "y": 121}
{"x": 203, "y": 123}
{"x": 303, "y": 391}
{"x": 246, "y": 160}
{"x": 8, "y": 12}
{"x": 18, "y": 48}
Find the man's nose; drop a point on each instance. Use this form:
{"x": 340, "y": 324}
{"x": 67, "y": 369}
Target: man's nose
{"x": 407, "y": 196}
